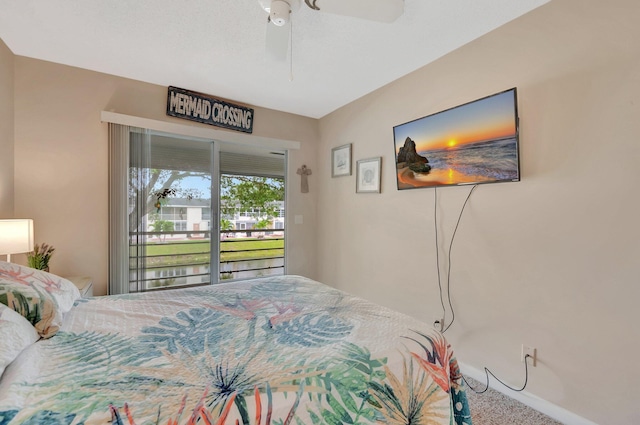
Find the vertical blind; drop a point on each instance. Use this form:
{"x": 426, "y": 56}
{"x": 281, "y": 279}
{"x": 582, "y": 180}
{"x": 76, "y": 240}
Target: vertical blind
{"x": 136, "y": 156}
{"x": 119, "y": 145}
{"x": 138, "y": 196}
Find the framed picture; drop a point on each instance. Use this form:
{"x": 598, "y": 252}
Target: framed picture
{"x": 341, "y": 161}
{"x": 368, "y": 175}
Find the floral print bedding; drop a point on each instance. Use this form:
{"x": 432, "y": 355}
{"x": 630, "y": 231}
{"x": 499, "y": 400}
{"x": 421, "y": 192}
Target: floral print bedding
{"x": 278, "y": 350}
{"x": 40, "y": 297}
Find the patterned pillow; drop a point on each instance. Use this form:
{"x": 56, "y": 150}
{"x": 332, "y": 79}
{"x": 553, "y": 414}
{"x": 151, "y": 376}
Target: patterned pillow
{"x": 16, "y": 334}
{"x": 42, "y": 298}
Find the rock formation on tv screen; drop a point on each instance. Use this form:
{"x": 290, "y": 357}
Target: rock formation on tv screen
{"x": 409, "y": 157}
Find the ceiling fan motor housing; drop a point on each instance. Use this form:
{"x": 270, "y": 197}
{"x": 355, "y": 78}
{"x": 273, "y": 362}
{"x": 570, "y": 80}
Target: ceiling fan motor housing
{"x": 279, "y": 13}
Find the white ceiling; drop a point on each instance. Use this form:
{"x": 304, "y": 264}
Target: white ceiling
{"x": 217, "y": 47}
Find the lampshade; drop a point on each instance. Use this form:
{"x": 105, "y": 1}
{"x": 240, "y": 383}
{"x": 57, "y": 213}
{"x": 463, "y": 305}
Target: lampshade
{"x": 16, "y": 236}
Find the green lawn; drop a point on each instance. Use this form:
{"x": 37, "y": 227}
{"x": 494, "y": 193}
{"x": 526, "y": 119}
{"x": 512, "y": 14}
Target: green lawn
{"x": 166, "y": 253}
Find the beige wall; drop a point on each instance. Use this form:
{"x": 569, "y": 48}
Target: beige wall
{"x": 551, "y": 261}
{"x": 6, "y": 132}
{"x": 61, "y": 161}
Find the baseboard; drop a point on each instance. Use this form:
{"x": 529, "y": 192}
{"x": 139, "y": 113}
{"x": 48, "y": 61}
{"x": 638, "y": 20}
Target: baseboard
{"x": 554, "y": 411}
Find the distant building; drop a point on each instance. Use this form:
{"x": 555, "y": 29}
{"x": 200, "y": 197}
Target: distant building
{"x": 195, "y": 214}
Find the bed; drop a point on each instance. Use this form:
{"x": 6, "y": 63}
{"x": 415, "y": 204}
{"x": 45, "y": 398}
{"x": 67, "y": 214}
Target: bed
{"x": 275, "y": 350}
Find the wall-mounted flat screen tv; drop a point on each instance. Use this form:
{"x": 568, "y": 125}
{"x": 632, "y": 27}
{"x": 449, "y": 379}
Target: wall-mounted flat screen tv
{"x": 469, "y": 144}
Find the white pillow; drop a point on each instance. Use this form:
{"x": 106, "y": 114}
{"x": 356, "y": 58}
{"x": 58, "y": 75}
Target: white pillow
{"x": 40, "y": 297}
{"x": 16, "y": 334}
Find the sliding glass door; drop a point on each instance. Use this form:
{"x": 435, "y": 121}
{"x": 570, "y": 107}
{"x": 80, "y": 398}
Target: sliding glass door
{"x": 172, "y": 214}
{"x": 187, "y": 211}
{"x": 252, "y": 210}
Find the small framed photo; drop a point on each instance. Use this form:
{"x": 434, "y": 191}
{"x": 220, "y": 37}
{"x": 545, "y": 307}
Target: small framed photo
{"x": 368, "y": 175}
{"x": 341, "y": 161}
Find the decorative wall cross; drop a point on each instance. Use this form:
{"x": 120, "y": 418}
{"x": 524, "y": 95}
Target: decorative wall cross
{"x": 304, "y": 183}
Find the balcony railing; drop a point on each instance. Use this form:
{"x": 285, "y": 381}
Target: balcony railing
{"x": 179, "y": 258}
{"x": 172, "y": 216}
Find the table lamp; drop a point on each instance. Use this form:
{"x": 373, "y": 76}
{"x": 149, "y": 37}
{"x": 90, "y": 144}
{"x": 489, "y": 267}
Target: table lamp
{"x": 16, "y": 236}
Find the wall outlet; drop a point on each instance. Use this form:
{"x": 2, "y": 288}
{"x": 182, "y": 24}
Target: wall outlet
{"x": 531, "y": 352}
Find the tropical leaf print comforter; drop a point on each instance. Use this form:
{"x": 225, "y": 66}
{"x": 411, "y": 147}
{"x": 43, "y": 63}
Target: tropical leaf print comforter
{"x": 279, "y": 350}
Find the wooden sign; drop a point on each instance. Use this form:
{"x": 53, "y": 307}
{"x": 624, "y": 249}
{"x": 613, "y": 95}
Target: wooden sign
{"x": 194, "y": 106}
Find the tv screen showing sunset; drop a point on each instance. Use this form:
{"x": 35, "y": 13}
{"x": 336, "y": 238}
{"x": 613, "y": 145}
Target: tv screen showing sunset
{"x": 472, "y": 143}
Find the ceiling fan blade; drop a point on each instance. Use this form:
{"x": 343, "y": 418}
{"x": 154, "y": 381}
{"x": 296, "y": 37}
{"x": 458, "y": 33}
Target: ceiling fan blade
{"x": 373, "y": 10}
{"x": 278, "y": 41}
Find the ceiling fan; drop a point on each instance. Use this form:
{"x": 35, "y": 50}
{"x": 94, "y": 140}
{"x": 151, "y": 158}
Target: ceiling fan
{"x": 281, "y": 11}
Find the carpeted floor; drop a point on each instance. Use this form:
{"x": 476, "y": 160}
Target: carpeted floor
{"x": 495, "y": 408}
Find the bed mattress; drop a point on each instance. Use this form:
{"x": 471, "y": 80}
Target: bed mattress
{"x": 276, "y": 350}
